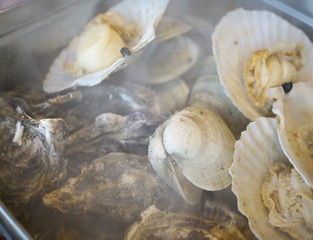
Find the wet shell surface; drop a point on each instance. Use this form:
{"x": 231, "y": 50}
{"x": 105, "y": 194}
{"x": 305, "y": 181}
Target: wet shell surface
{"x": 294, "y": 111}
{"x": 130, "y": 25}
{"x": 255, "y": 153}
{"x": 237, "y": 37}
{"x": 164, "y": 61}
{"x": 201, "y": 145}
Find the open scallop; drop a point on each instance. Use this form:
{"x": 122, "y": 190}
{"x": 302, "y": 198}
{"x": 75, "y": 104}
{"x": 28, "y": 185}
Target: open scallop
{"x": 294, "y": 111}
{"x": 109, "y": 42}
{"x": 260, "y": 180}
{"x": 238, "y": 37}
{"x": 197, "y": 143}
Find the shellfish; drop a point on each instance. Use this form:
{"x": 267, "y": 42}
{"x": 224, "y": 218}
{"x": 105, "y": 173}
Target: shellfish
{"x": 109, "y": 42}
{"x": 294, "y": 113}
{"x": 215, "y": 222}
{"x": 271, "y": 194}
{"x": 192, "y": 151}
{"x": 117, "y": 186}
{"x": 242, "y": 34}
{"x": 164, "y": 61}
{"x": 208, "y": 92}
{"x": 32, "y": 153}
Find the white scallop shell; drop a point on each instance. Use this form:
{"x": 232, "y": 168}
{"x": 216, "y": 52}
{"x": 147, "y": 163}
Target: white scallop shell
{"x": 146, "y": 16}
{"x": 237, "y": 36}
{"x": 164, "y": 61}
{"x": 294, "y": 112}
{"x": 256, "y": 151}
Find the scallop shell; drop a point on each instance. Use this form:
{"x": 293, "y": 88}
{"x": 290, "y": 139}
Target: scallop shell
{"x": 199, "y": 142}
{"x": 144, "y": 14}
{"x": 208, "y": 92}
{"x": 164, "y": 61}
{"x": 237, "y": 36}
{"x": 294, "y": 112}
{"x": 252, "y": 159}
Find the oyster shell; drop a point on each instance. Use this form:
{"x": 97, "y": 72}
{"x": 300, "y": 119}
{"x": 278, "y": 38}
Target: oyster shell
{"x": 32, "y": 153}
{"x": 156, "y": 224}
{"x": 294, "y": 111}
{"x": 208, "y": 92}
{"x": 199, "y": 145}
{"x": 114, "y": 186}
{"x": 164, "y": 61}
{"x": 129, "y": 25}
{"x": 111, "y": 133}
{"x": 238, "y": 36}
{"x": 251, "y": 183}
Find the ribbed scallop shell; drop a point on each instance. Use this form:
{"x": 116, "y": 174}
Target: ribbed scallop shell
{"x": 256, "y": 151}
{"x": 237, "y": 36}
{"x": 294, "y": 112}
{"x": 144, "y": 14}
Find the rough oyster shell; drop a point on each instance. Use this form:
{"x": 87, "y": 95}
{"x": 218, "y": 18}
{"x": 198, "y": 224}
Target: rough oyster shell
{"x": 216, "y": 222}
{"x": 294, "y": 111}
{"x": 208, "y": 92}
{"x": 117, "y": 186}
{"x": 237, "y": 36}
{"x": 32, "y": 153}
{"x": 257, "y": 150}
{"x": 144, "y": 16}
{"x": 200, "y": 144}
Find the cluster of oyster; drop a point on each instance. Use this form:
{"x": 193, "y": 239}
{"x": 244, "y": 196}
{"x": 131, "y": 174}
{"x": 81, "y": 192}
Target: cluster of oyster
{"x": 146, "y": 155}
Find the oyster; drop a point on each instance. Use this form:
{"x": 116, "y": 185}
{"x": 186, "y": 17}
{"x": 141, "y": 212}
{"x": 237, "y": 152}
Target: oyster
{"x": 111, "y": 133}
{"x": 192, "y": 151}
{"x": 273, "y": 197}
{"x": 98, "y": 51}
{"x": 294, "y": 111}
{"x": 222, "y": 224}
{"x": 207, "y": 92}
{"x": 253, "y": 38}
{"x": 115, "y": 186}
{"x": 32, "y": 153}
